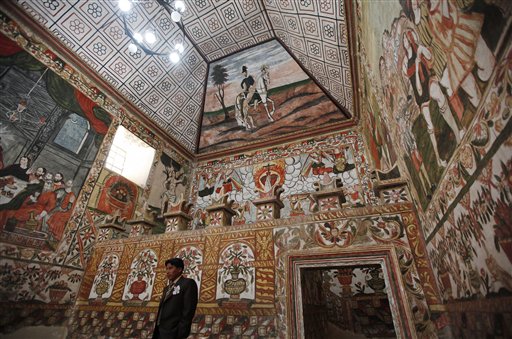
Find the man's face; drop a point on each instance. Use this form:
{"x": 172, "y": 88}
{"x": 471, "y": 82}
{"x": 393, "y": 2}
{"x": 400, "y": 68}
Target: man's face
{"x": 172, "y": 272}
{"x": 48, "y": 177}
{"x": 40, "y": 172}
{"x": 58, "y": 177}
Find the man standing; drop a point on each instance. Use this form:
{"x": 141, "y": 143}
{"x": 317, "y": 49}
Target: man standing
{"x": 178, "y": 304}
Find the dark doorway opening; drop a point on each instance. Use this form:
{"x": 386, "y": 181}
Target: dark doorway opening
{"x": 346, "y": 302}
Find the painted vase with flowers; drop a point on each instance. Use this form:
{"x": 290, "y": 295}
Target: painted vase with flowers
{"x": 237, "y": 268}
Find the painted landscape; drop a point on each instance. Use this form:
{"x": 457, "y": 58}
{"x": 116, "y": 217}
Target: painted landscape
{"x": 282, "y": 99}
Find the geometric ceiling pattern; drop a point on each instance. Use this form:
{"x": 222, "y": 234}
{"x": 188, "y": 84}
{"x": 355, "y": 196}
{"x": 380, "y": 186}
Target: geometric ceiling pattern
{"x": 223, "y": 27}
{"x": 314, "y": 31}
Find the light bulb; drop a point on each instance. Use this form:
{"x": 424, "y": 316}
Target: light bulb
{"x": 175, "y": 16}
{"x": 125, "y": 5}
{"x": 179, "y": 5}
{"x": 132, "y": 48}
{"x": 179, "y": 47}
{"x": 138, "y": 37}
{"x": 150, "y": 37}
{"x": 174, "y": 57}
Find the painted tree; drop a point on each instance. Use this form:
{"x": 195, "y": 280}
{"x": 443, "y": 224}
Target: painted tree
{"x": 219, "y": 77}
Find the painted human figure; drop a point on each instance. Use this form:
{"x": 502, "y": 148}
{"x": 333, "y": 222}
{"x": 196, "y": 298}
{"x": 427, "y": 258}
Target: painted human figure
{"x": 48, "y": 179}
{"x": 248, "y": 91}
{"x": 19, "y": 171}
{"x": 25, "y": 198}
{"x": 39, "y": 174}
{"x": 32, "y": 207}
{"x": 58, "y": 217}
{"x": 248, "y": 88}
{"x": 458, "y": 35}
{"x": 170, "y": 184}
{"x": 58, "y": 181}
{"x": 454, "y": 36}
{"x": 409, "y": 145}
{"x": 262, "y": 87}
{"x": 415, "y": 67}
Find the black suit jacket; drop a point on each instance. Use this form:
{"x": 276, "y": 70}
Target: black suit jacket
{"x": 177, "y": 310}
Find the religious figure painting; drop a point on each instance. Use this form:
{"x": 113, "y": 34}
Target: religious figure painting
{"x": 168, "y": 185}
{"x": 431, "y": 62}
{"x": 49, "y": 135}
{"x": 249, "y": 99}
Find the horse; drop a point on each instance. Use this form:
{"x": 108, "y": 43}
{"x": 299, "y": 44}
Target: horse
{"x": 260, "y": 96}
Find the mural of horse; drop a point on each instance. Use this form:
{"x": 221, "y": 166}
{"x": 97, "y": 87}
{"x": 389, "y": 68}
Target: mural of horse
{"x": 259, "y": 90}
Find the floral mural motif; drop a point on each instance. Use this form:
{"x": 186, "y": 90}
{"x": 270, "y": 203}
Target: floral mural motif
{"x": 338, "y": 233}
{"x": 236, "y": 276}
{"x": 479, "y": 228}
{"x": 395, "y": 196}
{"x": 344, "y": 233}
{"x": 105, "y": 277}
{"x": 40, "y": 283}
{"x": 141, "y": 279}
{"x": 193, "y": 259}
{"x": 359, "y": 280}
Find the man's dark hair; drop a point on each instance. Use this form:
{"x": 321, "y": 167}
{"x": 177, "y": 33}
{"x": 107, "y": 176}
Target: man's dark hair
{"x": 176, "y": 262}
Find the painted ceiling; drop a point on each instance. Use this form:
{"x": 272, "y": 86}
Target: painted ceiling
{"x": 313, "y": 31}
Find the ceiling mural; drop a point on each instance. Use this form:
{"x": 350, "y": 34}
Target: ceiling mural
{"x": 316, "y": 33}
{"x": 171, "y": 95}
{"x": 249, "y": 98}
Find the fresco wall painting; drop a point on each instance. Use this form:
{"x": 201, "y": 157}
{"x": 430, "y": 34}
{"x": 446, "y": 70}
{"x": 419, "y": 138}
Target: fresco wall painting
{"x": 42, "y": 175}
{"x": 105, "y": 278}
{"x": 214, "y": 250}
{"x": 169, "y": 183}
{"x": 58, "y": 264}
{"x": 460, "y": 181}
{"x": 469, "y": 233}
{"x": 249, "y": 99}
{"x": 41, "y": 180}
{"x": 358, "y": 234}
{"x": 203, "y": 252}
{"x": 296, "y": 167}
{"x": 471, "y": 251}
{"x": 380, "y": 146}
{"x": 439, "y": 94}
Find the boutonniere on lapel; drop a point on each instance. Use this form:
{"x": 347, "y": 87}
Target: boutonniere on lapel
{"x": 176, "y": 290}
